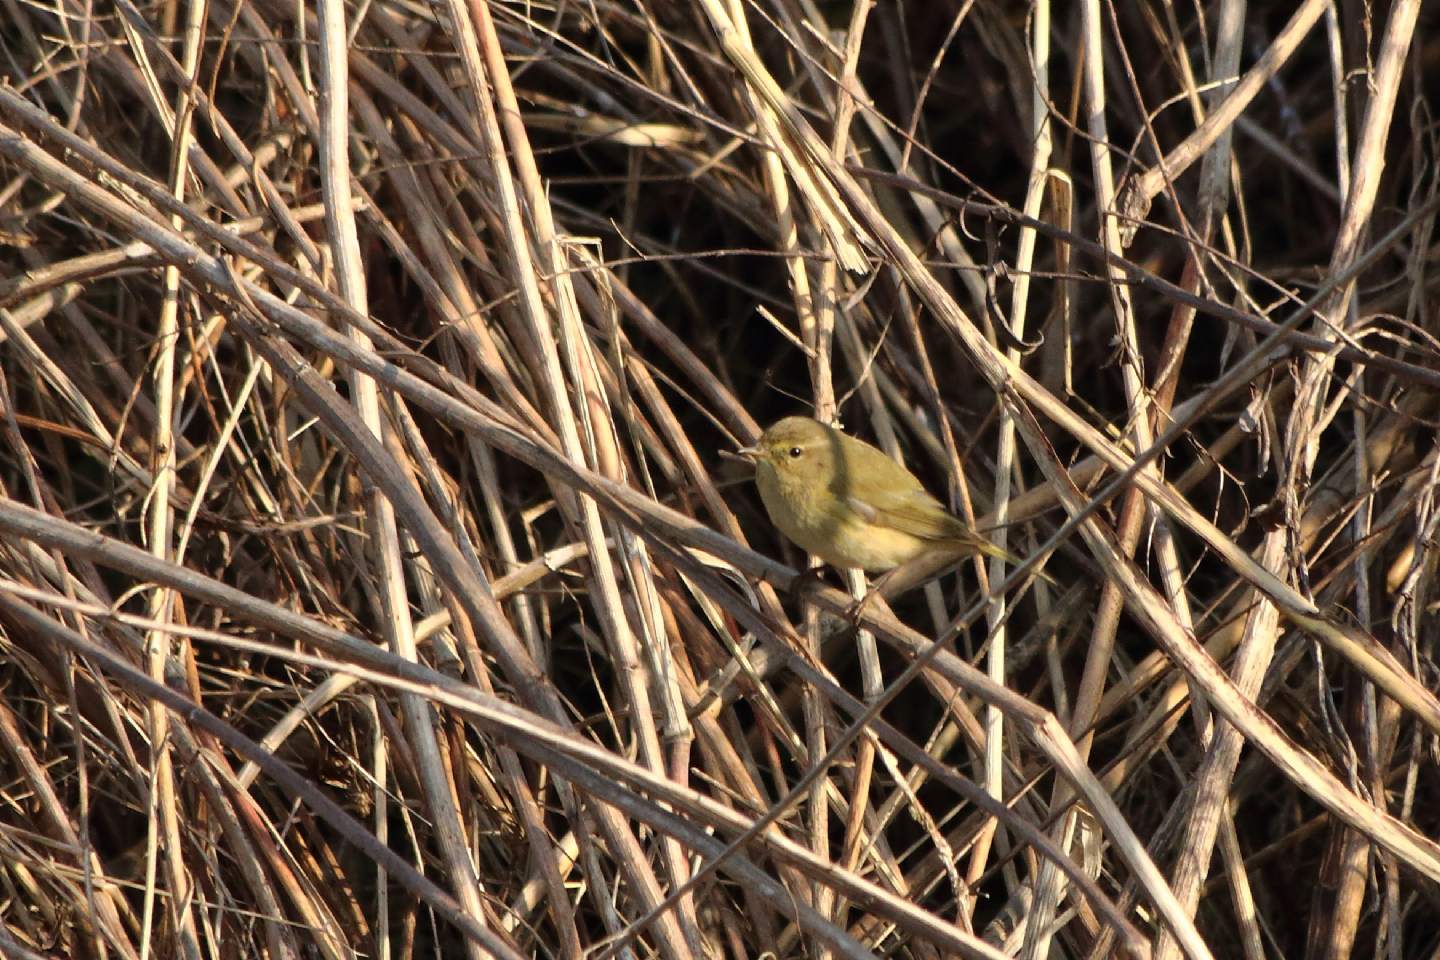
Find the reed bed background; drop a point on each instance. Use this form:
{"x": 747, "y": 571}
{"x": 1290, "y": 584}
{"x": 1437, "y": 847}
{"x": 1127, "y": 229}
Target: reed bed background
{"x": 371, "y": 583}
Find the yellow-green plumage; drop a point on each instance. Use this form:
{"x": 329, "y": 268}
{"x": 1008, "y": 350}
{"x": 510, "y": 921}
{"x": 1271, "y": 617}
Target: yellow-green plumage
{"x": 848, "y": 503}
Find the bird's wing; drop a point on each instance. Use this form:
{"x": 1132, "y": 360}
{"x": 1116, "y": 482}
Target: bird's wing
{"x": 910, "y": 511}
{"x": 884, "y": 493}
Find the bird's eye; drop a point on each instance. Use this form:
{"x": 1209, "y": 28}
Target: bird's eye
{"x": 795, "y": 452}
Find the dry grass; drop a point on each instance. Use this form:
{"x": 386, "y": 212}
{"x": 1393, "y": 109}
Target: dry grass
{"x": 371, "y": 583}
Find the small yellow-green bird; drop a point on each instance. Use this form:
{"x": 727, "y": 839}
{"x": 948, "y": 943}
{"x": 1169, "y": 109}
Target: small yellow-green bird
{"x": 851, "y": 505}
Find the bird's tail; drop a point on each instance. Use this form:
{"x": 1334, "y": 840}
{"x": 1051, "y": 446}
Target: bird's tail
{"x": 985, "y": 548}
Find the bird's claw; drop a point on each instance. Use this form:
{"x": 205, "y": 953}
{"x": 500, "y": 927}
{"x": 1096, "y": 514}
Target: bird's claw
{"x": 856, "y": 610}
{"x": 809, "y": 579}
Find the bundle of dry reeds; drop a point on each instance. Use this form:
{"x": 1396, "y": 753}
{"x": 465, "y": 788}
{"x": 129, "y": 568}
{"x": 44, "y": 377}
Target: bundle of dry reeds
{"x": 371, "y": 583}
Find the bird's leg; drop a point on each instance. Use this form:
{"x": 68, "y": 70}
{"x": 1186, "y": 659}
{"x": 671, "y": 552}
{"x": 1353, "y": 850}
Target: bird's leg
{"x": 857, "y": 609}
{"x": 809, "y": 579}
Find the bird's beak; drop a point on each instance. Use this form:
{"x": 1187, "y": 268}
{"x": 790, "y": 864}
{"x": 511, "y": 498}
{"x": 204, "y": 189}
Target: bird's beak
{"x": 748, "y": 453}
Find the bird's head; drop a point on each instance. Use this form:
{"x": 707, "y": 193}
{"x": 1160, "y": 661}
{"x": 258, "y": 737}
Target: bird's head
{"x": 794, "y": 446}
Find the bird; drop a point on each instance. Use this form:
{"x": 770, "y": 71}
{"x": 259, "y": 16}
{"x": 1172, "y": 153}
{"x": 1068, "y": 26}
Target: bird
{"x": 848, "y": 503}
